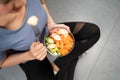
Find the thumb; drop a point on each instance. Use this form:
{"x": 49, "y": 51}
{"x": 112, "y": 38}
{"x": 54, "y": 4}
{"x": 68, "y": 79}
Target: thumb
{"x": 33, "y": 45}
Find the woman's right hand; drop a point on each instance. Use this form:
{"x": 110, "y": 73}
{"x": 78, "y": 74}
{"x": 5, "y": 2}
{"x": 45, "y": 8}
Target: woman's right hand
{"x": 37, "y": 51}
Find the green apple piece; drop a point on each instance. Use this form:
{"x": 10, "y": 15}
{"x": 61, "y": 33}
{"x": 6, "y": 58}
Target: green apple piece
{"x": 54, "y": 50}
{"x": 58, "y": 52}
{"x": 51, "y": 46}
{"x": 56, "y": 36}
{"x": 47, "y": 43}
{"x": 49, "y": 40}
{"x": 55, "y": 53}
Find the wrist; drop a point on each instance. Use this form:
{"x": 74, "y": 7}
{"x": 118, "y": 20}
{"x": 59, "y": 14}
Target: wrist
{"x": 29, "y": 56}
{"x": 52, "y": 26}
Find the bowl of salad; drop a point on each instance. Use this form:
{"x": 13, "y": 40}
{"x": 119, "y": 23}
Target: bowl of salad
{"x": 59, "y": 42}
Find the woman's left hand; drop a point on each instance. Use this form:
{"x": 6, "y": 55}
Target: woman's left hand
{"x": 61, "y": 25}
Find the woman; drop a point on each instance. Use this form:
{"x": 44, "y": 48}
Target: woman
{"x": 18, "y": 36}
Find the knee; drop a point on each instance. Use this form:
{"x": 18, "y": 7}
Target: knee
{"x": 96, "y": 30}
{"x": 93, "y": 30}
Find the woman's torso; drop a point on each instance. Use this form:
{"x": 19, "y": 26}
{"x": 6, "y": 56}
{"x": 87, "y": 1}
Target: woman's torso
{"x": 21, "y": 38}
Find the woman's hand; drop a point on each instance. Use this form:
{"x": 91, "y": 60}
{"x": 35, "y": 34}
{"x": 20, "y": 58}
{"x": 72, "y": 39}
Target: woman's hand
{"x": 60, "y": 25}
{"x": 37, "y": 51}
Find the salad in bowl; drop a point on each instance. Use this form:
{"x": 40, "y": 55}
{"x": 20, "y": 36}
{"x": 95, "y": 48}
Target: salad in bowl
{"x": 59, "y": 42}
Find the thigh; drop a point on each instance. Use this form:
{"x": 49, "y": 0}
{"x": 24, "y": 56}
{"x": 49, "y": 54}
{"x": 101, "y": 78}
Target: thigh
{"x": 88, "y": 31}
{"x": 70, "y": 24}
{"x": 75, "y": 26}
{"x": 38, "y": 70}
{"x": 83, "y": 30}
{"x": 85, "y": 38}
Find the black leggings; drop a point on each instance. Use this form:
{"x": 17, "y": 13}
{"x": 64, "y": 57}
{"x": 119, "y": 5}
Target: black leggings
{"x": 85, "y": 38}
{"x": 42, "y": 70}
{"x": 38, "y": 70}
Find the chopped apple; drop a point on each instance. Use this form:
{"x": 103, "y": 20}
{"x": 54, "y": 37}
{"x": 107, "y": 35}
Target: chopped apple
{"x": 62, "y": 31}
{"x": 49, "y": 40}
{"x": 51, "y": 46}
{"x": 56, "y": 36}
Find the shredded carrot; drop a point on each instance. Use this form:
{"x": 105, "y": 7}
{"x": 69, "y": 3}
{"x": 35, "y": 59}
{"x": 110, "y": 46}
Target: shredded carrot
{"x": 68, "y": 46}
{"x": 65, "y": 44}
{"x": 63, "y": 51}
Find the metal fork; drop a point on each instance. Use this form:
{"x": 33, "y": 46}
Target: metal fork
{"x": 33, "y": 21}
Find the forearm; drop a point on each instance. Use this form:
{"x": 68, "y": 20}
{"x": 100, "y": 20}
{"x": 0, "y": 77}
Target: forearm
{"x": 50, "y": 21}
{"x": 16, "y": 59}
{"x": 37, "y": 51}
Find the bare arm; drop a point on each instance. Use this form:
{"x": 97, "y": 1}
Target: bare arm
{"x": 50, "y": 21}
{"x": 37, "y": 51}
{"x": 15, "y": 59}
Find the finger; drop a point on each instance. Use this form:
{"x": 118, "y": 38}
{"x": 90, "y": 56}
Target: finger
{"x": 38, "y": 42}
{"x": 42, "y": 55}
{"x": 37, "y": 50}
{"x": 34, "y": 50}
{"x": 53, "y": 31}
{"x": 38, "y": 46}
{"x": 33, "y": 45}
{"x": 41, "y": 51}
{"x": 67, "y": 28}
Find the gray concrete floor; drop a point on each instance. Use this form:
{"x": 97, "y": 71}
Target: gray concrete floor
{"x": 101, "y": 61}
